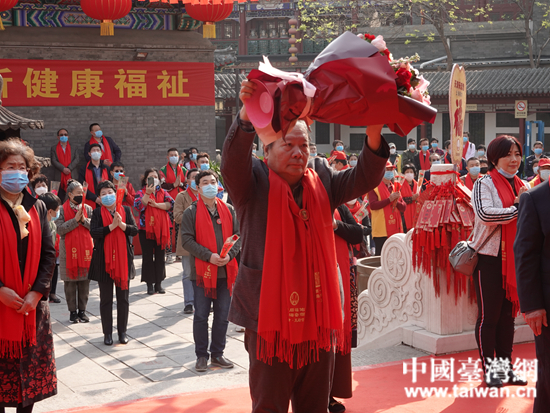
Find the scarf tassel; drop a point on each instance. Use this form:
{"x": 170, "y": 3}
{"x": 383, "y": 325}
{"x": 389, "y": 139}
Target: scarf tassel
{"x": 210, "y": 292}
{"x": 13, "y": 349}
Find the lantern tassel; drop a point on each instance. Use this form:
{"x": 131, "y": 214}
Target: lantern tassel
{"x": 107, "y": 28}
{"x": 1, "y": 24}
{"x": 209, "y": 30}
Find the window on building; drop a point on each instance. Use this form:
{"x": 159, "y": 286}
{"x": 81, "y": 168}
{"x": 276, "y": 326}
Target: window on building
{"x": 428, "y": 127}
{"x": 507, "y": 120}
{"x": 322, "y": 133}
{"x": 356, "y": 141}
{"x": 477, "y": 128}
{"x": 400, "y": 141}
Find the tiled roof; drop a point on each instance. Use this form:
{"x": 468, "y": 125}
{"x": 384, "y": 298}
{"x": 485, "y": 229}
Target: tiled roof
{"x": 225, "y": 85}
{"x": 495, "y": 82}
{"x": 9, "y": 120}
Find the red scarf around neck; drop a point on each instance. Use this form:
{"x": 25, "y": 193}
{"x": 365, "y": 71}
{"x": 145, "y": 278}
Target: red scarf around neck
{"x": 157, "y": 222}
{"x": 343, "y": 259}
{"x": 356, "y": 207}
{"x": 207, "y": 273}
{"x": 78, "y": 244}
{"x": 425, "y": 163}
{"x": 17, "y": 330}
{"x": 411, "y": 211}
{"x": 469, "y": 182}
{"x": 116, "y": 253}
{"x": 465, "y": 149}
{"x": 507, "y": 197}
{"x": 391, "y": 217}
{"x": 106, "y": 152}
{"x": 171, "y": 178}
{"x": 192, "y": 194}
{"x": 64, "y": 157}
{"x": 90, "y": 176}
{"x": 192, "y": 165}
{"x": 300, "y": 310}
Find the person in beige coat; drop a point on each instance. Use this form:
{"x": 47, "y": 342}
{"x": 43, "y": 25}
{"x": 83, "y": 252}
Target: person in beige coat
{"x": 77, "y": 286}
{"x": 184, "y": 201}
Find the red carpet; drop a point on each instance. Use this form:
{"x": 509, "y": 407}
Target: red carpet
{"x": 378, "y": 388}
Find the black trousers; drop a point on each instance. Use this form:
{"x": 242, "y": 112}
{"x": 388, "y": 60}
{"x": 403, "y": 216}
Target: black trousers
{"x": 379, "y": 243}
{"x": 53, "y": 284}
{"x": 542, "y": 344}
{"x": 495, "y": 321}
{"x": 271, "y": 387}
{"x": 153, "y": 269}
{"x": 106, "y": 307}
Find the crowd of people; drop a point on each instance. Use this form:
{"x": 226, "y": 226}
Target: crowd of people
{"x": 298, "y": 212}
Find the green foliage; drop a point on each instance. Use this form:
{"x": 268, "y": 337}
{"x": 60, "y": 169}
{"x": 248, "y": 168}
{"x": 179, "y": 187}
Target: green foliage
{"x": 215, "y": 166}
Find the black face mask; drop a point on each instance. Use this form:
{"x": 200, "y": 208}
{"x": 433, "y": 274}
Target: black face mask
{"x": 77, "y": 199}
{"x": 483, "y": 170}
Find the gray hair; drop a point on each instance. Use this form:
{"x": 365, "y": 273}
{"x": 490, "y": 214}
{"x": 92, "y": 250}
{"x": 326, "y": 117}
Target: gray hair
{"x": 73, "y": 184}
{"x": 302, "y": 126}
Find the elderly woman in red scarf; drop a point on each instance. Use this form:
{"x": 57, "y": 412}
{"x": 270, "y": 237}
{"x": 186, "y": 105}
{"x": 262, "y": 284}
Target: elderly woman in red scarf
{"x": 153, "y": 204}
{"x": 495, "y": 198}
{"x": 113, "y": 260}
{"x": 26, "y": 266}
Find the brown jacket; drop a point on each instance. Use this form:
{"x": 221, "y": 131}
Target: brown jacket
{"x": 182, "y": 202}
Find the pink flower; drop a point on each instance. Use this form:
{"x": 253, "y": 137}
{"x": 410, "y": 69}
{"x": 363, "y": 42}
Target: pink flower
{"x": 379, "y": 43}
{"x": 405, "y": 65}
{"x": 420, "y": 92}
{"x": 361, "y": 36}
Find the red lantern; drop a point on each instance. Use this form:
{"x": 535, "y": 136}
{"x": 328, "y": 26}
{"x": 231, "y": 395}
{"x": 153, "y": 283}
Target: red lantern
{"x": 209, "y": 14}
{"x": 106, "y": 11}
{"x": 4, "y": 6}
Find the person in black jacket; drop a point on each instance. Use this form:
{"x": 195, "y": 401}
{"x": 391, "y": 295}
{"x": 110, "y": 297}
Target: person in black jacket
{"x": 100, "y": 231}
{"x": 531, "y": 251}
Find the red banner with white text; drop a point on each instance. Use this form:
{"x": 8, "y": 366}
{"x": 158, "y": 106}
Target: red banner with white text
{"x": 106, "y": 83}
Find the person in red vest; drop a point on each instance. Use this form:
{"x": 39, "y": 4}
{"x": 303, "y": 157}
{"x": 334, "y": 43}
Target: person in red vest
{"x": 172, "y": 178}
{"x": 543, "y": 172}
{"x": 110, "y": 152}
{"x": 422, "y": 158}
{"x": 409, "y": 192}
{"x": 94, "y": 172}
{"x": 386, "y": 207}
{"x": 65, "y": 161}
{"x": 473, "y": 167}
{"x": 341, "y": 161}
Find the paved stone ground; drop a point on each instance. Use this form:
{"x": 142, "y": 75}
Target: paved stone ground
{"x": 159, "y": 360}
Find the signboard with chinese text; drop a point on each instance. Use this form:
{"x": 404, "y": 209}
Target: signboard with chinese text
{"x": 106, "y": 83}
{"x": 521, "y": 109}
{"x": 457, "y": 110}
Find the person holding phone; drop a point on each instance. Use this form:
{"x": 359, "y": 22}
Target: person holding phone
{"x": 153, "y": 204}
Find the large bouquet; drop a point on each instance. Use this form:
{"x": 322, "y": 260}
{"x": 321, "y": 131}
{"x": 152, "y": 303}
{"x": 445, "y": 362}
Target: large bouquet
{"x": 350, "y": 82}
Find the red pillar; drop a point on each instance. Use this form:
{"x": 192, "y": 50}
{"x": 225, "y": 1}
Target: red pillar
{"x": 243, "y": 44}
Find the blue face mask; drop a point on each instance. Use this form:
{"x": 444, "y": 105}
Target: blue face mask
{"x": 98, "y": 134}
{"x": 254, "y": 151}
{"x": 117, "y": 175}
{"x": 96, "y": 156}
{"x": 205, "y": 167}
{"x": 475, "y": 170}
{"x": 425, "y": 148}
{"x": 108, "y": 200}
{"x": 14, "y": 181}
{"x": 388, "y": 175}
{"x": 209, "y": 191}
{"x": 436, "y": 162}
{"x": 339, "y": 148}
{"x": 63, "y": 139}
{"x": 464, "y": 139}
{"x": 434, "y": 145}
{"x": 480, "y": 153}
{"x": 506, "y": 174}
{"x": 353, "y": 163}
{"x": 538, "y": 151}
{"x": 174, "y": 160}
{"x": 412, "y": 147}
{"x": 193, "y": 157}
{"x": 193, "y": 185}
{"x": 56, "y": 215}
{"x": 313, "y": 154}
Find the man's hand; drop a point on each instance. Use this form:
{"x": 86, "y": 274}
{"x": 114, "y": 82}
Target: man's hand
{"x": 247, "y": 89}
{"x": 150, "y": 189}
{"x": 536, "y": 319}
{"x": 375, "y": 137}
{"x": 107, "y": 162}
{"x": 394, "y": 196}
{"x": 10, "y": 298}
{"x": 415, "y": 197}
{"x": 178, "y": 182}
{"x": 66, "y": 171}
{"x": 30, "y": 302}
{"x": 217, "y": 260}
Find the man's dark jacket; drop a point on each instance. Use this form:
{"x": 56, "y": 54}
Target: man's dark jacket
{"x": 247, "y": 182}
{"x": 115, "y": 150}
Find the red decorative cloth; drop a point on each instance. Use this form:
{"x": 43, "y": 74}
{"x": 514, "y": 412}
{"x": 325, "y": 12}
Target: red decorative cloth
{"x": 78, "y": 244}
{"x": 207, "y": 273}
{"x": 425, "y": 163}
{"x": 343, "y": 257}
{"x": 300, "y": 311}
{"x": 171, "y": 178}
{"x": 411, "y": 213}
{"x": 392, "y": 216}
{"x": 157, "y": 222}
{"x": 17, "y": 330}
{"x": 507, "y": 197}
{"x": 64, "y": 157}
{"x": 90, "y": 182}
{"x": 106, "y": 152}
{"x": 116, "y": 253}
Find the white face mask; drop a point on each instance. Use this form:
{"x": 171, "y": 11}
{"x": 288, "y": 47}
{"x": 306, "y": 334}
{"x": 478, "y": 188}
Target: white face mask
{"x": 545, "y": 174}
{"x": 41, "y": 190}
{"x": 352, "y": 202}
{"x": 392, "y": 151}
{"x": 157, "y": 182}
{"x": 409, "y": 176}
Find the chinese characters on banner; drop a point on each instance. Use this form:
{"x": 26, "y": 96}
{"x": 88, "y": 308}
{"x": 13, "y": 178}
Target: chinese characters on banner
{"x": 106, "y": 83}
{"x": 457, "y": 110}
